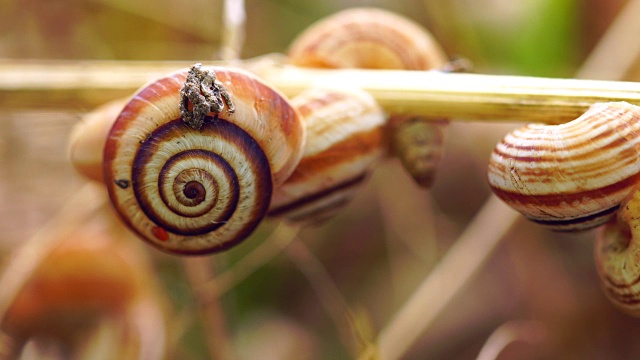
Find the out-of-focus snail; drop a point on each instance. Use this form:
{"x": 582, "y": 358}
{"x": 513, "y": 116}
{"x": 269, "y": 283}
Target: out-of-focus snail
{"x": 94, "y": 276}
{"x": 572, "y": 176}
{"x": 377, "y": 39}
{"x": 344, "y": 140}
{"x": 617, "y": 253}
{"x": 199, "y": 189}
{"x": 89, "y": 136}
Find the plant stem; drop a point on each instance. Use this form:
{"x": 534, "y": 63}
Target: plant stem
{"x": 452, "y": 274}
{"x": 277, "y": 241}
{"x": 199, "y": 271}
{"x": 46, "y": 84}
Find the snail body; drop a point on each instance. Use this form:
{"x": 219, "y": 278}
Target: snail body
{"x": 197, "y": 191}
{"x": 344, "y": 130}
{"x": 572, "y": 176}
{"x": 617, "y": 251}
{"x": 377, "y": 39}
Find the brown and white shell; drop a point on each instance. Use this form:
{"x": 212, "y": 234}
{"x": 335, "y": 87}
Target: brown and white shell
{"x": 190, "y": 191}
{"x": 572, "y": 176}
{"x": 344, "y": 141}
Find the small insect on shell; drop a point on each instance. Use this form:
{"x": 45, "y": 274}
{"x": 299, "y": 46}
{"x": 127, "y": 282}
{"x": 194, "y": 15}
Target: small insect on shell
{"x": 617, "y": 251}
{"x": 197, "y": 191}
{"x": 344, "y": 130}
{"x": 572, "y": 176}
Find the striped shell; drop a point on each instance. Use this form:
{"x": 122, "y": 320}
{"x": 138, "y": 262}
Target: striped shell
{"x": 366, "y": 38}
{"x": 617, "y": 251}
{"x": 192, "y": 191}
{"x": 377, "y": 39}
{"x": 571, "y": 176}
{"x": 344, "y": 130}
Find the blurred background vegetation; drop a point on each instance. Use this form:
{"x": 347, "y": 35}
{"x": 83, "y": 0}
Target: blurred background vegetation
{"x": 382, "y": 245}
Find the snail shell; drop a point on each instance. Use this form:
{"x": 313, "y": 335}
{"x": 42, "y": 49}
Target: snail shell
{"x": 366, "y": 38}
{"x": 378, "y": 39}
{"x": 571, "y": 176}
{"x": 88, "y": 137}
{"x": 193, "y": 191}
{"x": 344, "y": 140}
{"x": 616, "y": 251}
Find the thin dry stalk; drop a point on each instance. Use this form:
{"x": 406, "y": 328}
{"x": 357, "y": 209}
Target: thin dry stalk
{"x": 325, "y": 288}
{"x": 275, "y": 243}
{"x": 531, "y": 332}
{"x": 620, "y": 39}
{"x": 233, "y": 24}
{"x": 199, "y": 271}
{"x": 448, "y": 278}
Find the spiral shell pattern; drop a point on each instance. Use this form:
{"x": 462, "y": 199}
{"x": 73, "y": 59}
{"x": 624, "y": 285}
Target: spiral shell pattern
{"x": 617, "y": 250}
{"x": 192, "y": 191}
{"x": 344, "y": 129}
{"x": 572, "y": 176}
{"x": 377, "y": 39}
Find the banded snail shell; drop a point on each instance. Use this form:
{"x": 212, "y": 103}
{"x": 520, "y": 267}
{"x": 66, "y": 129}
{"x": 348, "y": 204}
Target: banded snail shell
{"x": 344, "y": 140}
{"x": 616, "y": 251}
{"x": 571, "y": 176}
{"x": 193, "y": 191}
{"x": 378, "y": 39}
{"x": 366, "y": 38}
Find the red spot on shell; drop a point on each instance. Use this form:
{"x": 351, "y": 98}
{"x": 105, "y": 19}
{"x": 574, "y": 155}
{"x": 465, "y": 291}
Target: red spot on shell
{"x": 160, "y": 233}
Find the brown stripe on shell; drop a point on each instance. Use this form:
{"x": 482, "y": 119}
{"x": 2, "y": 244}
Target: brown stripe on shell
{"x": 313, "y": 204}
{"x": 261, "y": 141}
{"x": 617, "y": 250}
{"x": 344, "y": 130}
{"x": 571, "y": 171}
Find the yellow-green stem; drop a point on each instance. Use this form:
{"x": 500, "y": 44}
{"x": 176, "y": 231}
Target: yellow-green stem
{"x": 82, "y": 85}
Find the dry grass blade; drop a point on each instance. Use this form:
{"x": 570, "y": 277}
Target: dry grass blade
{"x": 448, "y": 278}
{"x": 277, "y": 241}
{"x": 199, "y": 271}
{"x": 531, "y": 332}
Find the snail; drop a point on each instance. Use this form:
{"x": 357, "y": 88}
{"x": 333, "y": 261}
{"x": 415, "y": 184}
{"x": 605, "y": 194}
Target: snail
{"x": 377, "y": 39}
{"x": 616, "y": 251}
{"x": 344, "y": 140}
{"x": 92, "y": 277}
{"x": 200, "y": 189}
{"x": 572, "y": 176}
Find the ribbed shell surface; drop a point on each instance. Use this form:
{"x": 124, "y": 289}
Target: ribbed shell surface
{"x": 344, "y": 130}
{"x": 191, "y": 191}
{"x": 571, "y": 176}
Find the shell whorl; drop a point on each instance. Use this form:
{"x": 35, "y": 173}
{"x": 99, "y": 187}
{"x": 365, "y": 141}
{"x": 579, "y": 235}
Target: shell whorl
{"x": 344, "y": 129}
{"x": 199, "y": 191}
{"x": 616, "y": 252}
{"x": 571, "y": 176}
